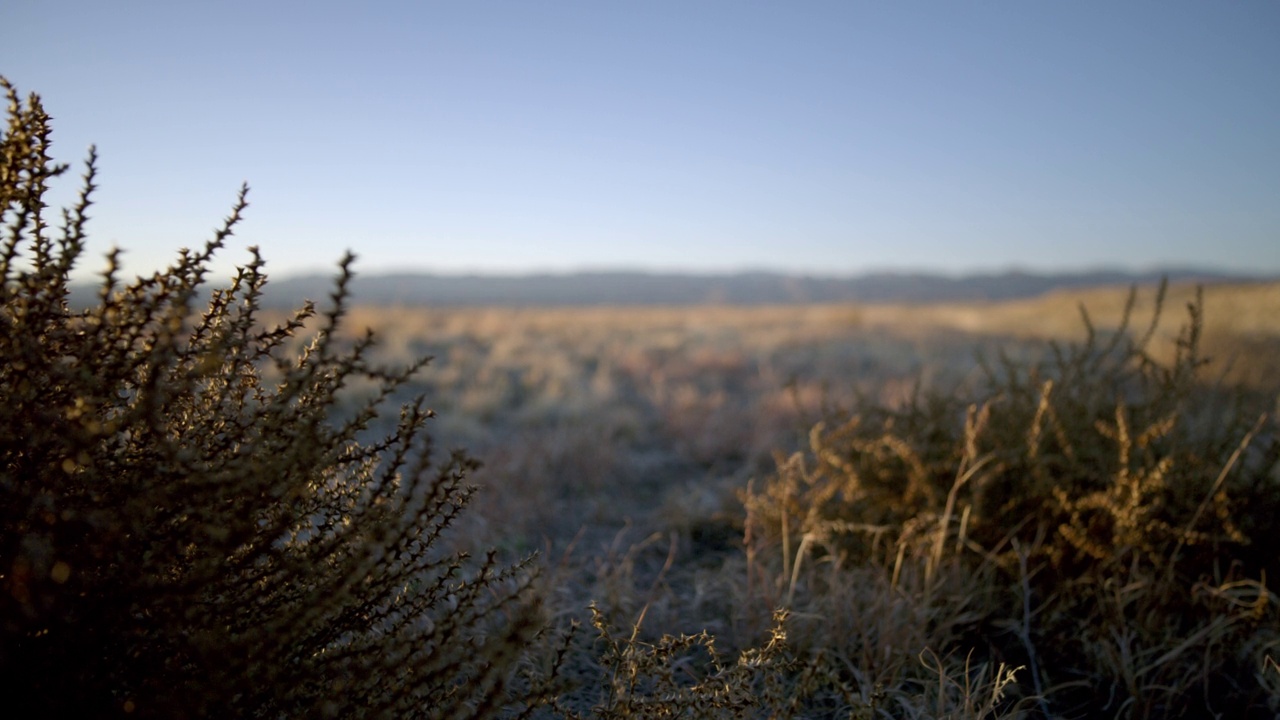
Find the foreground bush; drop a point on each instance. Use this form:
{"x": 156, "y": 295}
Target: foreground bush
{"x": 180, "y": 537}
{"x": 1102, "y": 520}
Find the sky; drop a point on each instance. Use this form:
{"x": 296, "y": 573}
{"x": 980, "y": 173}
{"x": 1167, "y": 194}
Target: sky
{"x": 828, "y": 138}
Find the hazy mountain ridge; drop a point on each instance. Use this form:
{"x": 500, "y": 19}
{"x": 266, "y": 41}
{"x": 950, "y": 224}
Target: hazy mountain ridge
{"x": 756, "y": 288}
{"x": 748, "y": 288}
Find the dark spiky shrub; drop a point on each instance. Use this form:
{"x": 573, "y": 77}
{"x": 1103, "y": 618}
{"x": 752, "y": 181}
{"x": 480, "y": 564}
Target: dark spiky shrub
{"x": 1105, "y": 520}
{"x": 185, "y": 528}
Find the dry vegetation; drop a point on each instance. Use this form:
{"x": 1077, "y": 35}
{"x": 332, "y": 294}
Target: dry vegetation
{"x": 1240, "y": 323}
{"x": 623, "y": 441}
{"x": 182, "y": 537}
{"x": 619, "y": 409}
{"x": 663, "y": 409}
{"x": 1003, "y": 511}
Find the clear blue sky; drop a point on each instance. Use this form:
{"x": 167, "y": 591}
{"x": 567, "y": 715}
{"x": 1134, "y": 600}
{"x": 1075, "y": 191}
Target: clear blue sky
{"x": 821, "y": 137}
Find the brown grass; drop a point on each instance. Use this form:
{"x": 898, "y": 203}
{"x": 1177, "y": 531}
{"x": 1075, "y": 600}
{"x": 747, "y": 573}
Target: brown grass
{"x": 619, "y": 438}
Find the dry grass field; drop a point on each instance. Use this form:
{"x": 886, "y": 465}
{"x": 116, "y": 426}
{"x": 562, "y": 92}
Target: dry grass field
{"x": 641, "y": 452}
{"x": 1240, "y": 322}
{"x": 593, "y": 417}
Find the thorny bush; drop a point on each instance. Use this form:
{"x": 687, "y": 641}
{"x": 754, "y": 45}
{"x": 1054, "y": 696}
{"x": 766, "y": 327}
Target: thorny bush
{"x": 185, "y": 530}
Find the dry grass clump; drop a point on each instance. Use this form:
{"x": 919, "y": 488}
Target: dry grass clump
{"x": 181, "y": 538}
{"x": 688, "y": 675}
{"x": 1101, "y": 518}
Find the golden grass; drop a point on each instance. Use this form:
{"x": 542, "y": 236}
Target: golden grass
{"x": 1241, "y": 320}
{"x": 622, "y": 435}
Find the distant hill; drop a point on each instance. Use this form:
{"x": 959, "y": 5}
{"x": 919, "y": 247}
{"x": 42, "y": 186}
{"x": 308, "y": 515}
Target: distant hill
{"x": 635, "y": 288}
{"x": 756, "y": 288}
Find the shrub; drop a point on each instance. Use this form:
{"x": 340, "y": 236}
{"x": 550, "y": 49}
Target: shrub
{"x": 1098, "y": 517}
{"x": 186, "y": 530}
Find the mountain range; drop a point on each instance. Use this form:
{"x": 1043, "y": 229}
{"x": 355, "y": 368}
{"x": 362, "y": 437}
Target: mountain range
{"x": 755, "y": 288}
{"x": 748, "y": 288}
